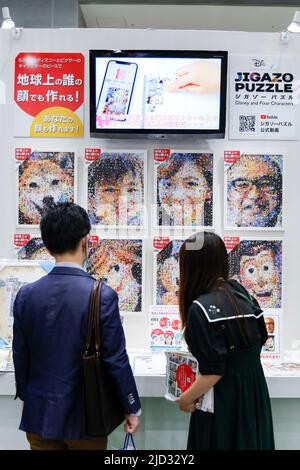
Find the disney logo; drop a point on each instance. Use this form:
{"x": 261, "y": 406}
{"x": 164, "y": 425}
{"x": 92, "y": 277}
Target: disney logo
{"x": 258, "y": 63}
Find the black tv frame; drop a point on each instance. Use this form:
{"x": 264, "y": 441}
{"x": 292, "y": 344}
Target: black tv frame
{"x": 156, "y": 133}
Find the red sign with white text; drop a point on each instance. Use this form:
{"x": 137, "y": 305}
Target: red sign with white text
{"x": 159, "y": 243}
{"x": 21, "y": 239}
{"x": 93, "y": 241}
{"x": 160, "y": 155}
{"x": 231, "y": 242}
{"x": 49, "y": 87}
{"x": 91, "y": 154}
{"x": 231, "y": 156}
{"x": 22, "y": 154}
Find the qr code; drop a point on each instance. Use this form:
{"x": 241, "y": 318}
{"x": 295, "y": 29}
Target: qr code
{"x": 247, "y": 123}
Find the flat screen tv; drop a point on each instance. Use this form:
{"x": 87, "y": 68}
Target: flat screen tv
{"x": 156, "y": 94}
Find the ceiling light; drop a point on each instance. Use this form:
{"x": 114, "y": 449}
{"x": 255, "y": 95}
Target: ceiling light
{"x": 7, "y": 22}
{"x": 294, "y": 27}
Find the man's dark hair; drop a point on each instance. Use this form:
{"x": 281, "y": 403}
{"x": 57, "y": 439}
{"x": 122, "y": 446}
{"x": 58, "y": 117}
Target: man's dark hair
{"x": 63, "y": 226}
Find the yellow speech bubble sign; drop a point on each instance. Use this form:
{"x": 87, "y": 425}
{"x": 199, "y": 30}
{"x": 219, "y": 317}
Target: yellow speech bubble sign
{"x": 56, "y": 122}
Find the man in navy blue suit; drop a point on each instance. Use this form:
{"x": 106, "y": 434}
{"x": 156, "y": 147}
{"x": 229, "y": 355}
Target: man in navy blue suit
{"x": 50, "y": 321}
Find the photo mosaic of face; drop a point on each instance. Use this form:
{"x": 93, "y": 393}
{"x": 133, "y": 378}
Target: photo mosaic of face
{"x": 185, "y": 190}
{"x": 43, "y": 179}
{"x": 119, "y": 264}
{"x": 116, "y": 189}
{"x": 257, "y": 265}
{"x": 167, "y": 274}
{"x": 34, "y": 250}
{"x": 12, "y": 278}
{"x": 254, "y": 191}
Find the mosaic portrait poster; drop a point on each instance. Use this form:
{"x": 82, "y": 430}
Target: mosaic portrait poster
{"x": 116, "y": 186}
{"x": 119, "y": 263}
{"x": 166, "y": 271}
{"x": 183, "y": 188}
{"x": 253, "y": 191}
{"x": 44, "y": 178}
{"x": 49, "y": 94}
{"x": 165, "y": 328}
{"x": 257, "y": 265}
{"x": 13, "y": 276}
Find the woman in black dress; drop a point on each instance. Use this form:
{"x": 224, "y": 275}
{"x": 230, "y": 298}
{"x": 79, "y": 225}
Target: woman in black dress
{"x": 225, "y": 331}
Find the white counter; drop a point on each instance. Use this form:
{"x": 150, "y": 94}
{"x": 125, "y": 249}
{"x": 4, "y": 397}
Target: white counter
{"x": 154, "y": 386}
{"x": 163, "y": 425}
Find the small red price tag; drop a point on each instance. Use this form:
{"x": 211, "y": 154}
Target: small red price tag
{"x": 160, "y": 155}
{"x": 91, "y": 154}
{"x": 231, "y": 242}
{"x": 231, "y": 156}
{"x": 93, "y": 241}
{"x": 159, "y": 243}
{"x": 21, "y": 239}
{"x": 22, "y": 154}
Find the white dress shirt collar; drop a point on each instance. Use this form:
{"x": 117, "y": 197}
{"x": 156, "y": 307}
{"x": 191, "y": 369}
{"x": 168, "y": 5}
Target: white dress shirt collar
{"x": 68, "y": 264}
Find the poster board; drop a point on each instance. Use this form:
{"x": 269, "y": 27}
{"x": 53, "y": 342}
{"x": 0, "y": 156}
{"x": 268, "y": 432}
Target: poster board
{"x": 257, "y": 263}
{"x": 43, "y": 177}
{"x": 183, "y": 189}
{"x": 116, "y": 188}
{"x": 253, "y": 191}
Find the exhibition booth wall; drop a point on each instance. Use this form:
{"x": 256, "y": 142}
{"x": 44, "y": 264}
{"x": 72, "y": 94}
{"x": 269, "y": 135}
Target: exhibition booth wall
{"x": 163, "y": 426}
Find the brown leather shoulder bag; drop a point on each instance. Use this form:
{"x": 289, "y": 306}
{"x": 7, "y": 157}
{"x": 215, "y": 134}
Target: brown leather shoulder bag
{"x": 103, "y": 410}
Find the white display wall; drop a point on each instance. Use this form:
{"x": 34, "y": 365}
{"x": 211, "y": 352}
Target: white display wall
{"x": 65, "y": 40}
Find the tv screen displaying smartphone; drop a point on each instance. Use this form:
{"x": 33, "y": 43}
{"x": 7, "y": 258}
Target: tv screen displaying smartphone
{"x": 157, "y": 93}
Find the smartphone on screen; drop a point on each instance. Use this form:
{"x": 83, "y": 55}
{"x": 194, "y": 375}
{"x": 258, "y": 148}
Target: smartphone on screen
{"x": 117, "y": 88}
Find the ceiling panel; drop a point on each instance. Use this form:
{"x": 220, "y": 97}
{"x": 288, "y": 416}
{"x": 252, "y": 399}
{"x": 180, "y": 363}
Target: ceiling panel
{"x": 195, "y": 2}
{"x": 202, "y": 17}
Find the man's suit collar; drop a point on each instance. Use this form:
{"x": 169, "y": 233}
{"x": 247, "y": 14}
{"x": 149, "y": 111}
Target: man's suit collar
{"x": 69, "y": 271}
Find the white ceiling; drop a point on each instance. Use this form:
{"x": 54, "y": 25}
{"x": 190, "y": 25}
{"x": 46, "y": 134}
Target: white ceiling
{"x": 207, "y": 17}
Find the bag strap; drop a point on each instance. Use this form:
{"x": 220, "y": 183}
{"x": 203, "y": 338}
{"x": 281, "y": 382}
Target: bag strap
{"x": 93, "y": 318}
{"x": 128, "y": 438}
{"x": 132, "y": 441}
{"x": 97, "y": 293}
{"x": 90, "y": 321}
